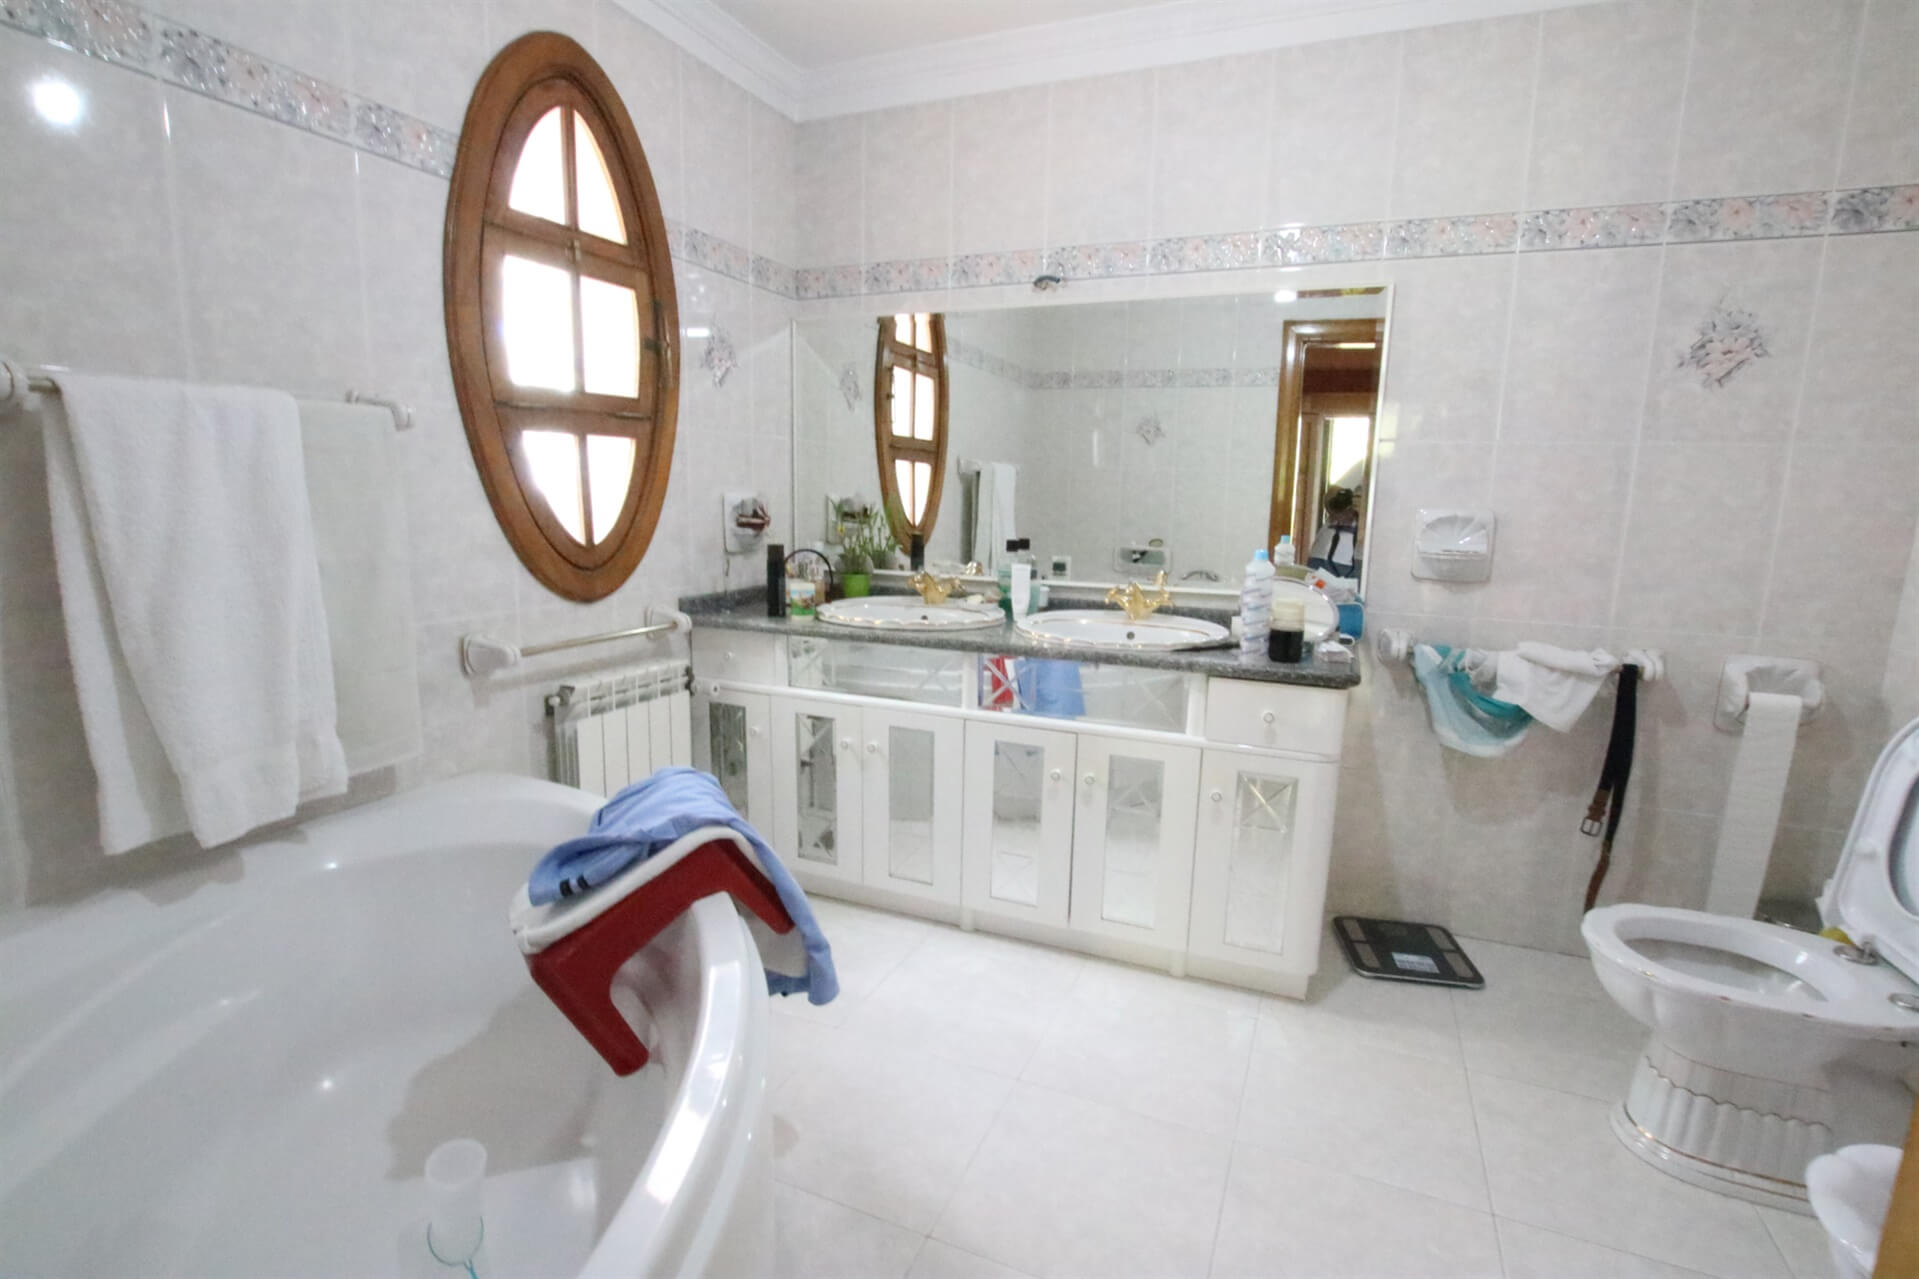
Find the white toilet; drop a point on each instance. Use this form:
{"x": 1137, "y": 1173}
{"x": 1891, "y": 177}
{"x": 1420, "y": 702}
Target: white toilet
{"x": 1771, "y": 1047}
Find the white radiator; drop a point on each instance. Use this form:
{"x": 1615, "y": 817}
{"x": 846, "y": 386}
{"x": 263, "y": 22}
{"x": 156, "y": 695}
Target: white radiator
{"x": 615, "y": 729}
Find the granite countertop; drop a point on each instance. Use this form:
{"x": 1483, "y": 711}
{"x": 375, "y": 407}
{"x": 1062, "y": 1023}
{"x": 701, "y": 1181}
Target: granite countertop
{"x": 745, "y": 610}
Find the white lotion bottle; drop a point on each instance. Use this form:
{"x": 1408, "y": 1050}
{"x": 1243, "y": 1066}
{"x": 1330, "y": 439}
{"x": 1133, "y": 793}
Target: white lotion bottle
{"x": 1256, "y": 603}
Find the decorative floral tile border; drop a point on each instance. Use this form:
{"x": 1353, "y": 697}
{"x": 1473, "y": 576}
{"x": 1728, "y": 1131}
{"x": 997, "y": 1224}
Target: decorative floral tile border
{"x": 129, "y": 36}
{"x": 960, "y": 351}
{"x": 1808, "y": 213}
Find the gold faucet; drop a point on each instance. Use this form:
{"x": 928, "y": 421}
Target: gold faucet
{"x": 934, "y": 590}
{"x": 1138, "y": 604}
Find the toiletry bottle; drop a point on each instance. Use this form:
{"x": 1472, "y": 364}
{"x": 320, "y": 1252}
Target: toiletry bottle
{"x": 1283, "y": 552}
{"x": 1286, "y": 641}
{"x": 775, "y": 580}
{"x": 1020, "y": 578}
{"x": 1255, "y": 599}
{"x": 1004, "y": 575}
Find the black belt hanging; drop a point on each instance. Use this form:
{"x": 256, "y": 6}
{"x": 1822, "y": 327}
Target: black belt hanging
{"x": 1609, "y": 801}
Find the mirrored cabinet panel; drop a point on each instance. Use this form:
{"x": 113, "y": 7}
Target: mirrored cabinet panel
{"x": 1018, "y": 825}
{"x": 1259, "y": 874}
{"x": 913, "y": 765}
{"x": 817, "y": 785}
{"x": 1133, "y": 839}
{"x": 730, "y": 741}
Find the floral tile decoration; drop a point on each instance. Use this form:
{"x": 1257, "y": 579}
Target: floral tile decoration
{"x": 130, "y": 35}
{"x": 1149, "y": 430}
{"x": 1729, "y": 339}
{"x": 719, "y": 358}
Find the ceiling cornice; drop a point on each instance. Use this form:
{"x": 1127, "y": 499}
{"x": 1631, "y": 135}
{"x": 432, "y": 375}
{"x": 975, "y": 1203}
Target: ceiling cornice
{"x": 1128, "y": 40}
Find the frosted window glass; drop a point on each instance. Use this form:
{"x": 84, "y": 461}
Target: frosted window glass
{"x": 922, "y": 485}
{"x": 902, "y": 413}
{"x": 599, "y": 206}
{"x": 922, "y": 407}
{"x": 554, "y": 459}
{"x": 536, "y": 322}
{"x": 609, "y": 314}
{"x": 903, "y": 329}
{"x": 923, "y": 332}
{"x": 539, "y": 179}
{"x": 609, "y": 468}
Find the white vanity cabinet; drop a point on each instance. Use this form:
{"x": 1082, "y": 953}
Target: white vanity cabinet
{"x": 1133, "y": 839}
{"x": 1259, "y": 868}
{"x": 1204, "y": 851}
{"x": 1018, "y": 824}
{"x": 867, "y": 795}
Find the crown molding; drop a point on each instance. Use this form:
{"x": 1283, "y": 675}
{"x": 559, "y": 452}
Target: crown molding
{"x": 1128, "y": 40}
{"x": 722, "y": 42}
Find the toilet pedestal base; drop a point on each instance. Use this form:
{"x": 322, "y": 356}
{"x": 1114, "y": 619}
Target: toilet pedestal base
{"x": 1739, "y": 1135}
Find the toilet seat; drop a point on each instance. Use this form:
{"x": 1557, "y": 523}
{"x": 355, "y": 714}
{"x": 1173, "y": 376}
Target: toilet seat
{"x": 1817, "y": 985}
{"x": 1874, "y": 893}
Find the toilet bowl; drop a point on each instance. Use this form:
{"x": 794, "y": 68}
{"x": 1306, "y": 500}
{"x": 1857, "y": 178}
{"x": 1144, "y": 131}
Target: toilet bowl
{"x": 1771, "y": 1047}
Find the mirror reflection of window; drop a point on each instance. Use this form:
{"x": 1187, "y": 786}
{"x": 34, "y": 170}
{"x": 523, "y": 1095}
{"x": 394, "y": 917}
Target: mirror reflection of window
{"x": 909, "y": 419}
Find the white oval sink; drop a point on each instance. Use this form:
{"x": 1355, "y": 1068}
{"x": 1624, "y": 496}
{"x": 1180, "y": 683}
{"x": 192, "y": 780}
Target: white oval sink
{"x": 909, "y": 613}
{"x": 1111, "y": 629}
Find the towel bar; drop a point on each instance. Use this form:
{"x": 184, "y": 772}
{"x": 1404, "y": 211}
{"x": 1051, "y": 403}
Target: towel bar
{"x": 481, "y": 654}
{"x": 1393, "y": 645}
{"x": 18, "y": 382}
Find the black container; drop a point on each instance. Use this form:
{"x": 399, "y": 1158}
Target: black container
{"x": 775, "y": 580}
{"x": 916, "y": 553}
{"x": 1285, "y": 646}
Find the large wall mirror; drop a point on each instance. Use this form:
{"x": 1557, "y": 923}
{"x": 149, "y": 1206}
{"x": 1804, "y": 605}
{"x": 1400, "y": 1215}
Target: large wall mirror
{"x": 1118, "y": 438}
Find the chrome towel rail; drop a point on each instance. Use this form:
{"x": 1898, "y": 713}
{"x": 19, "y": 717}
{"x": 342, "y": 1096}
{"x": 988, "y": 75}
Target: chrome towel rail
{"x": 481, "y": 654}
{"x": 1393, "y": 645}
{"x": 17, "y": 382}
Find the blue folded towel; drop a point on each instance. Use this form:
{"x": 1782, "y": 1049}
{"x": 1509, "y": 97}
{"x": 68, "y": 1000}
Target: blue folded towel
{"x": 1464, "y": 718}
{"x": 1050, "y": 687}
{"x": 651, "y": 814}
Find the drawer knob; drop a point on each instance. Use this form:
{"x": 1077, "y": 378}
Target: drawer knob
{"x": 872, "y": 748}
{"x": 1267, "y": 717}
{"x": 1218, "y": 795}
{"x": 1089, "y": 779}
{"x": 753, "y": 731}
{"x": 846, "y": 743}
{"x": 1055, "y": 774}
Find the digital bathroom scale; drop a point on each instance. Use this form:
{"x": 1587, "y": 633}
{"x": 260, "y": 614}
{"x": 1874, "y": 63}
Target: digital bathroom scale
{"x": 1395, "y": 950}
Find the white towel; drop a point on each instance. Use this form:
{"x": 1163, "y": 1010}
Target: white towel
{"x": 995, "y": 506}
{"x": 360, "y": 536}
{"x": 184, "y": 549}
{"x": 1555, "y": 685}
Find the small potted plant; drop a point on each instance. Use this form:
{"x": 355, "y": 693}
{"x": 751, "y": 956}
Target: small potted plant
{"x": 865, "y": 544}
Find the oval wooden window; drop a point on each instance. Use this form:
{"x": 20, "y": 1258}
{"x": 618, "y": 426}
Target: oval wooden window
{"x": 560, "y": 316}
{"x": 909, "y": 421}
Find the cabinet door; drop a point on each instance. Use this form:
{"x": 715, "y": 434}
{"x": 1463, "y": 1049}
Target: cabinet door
{"x": 816, "y": 787}
{"x": 1259, "y": 873}
{"x": 731, "y": 741}
{"x": 1018, "y": 826}
{"x": 1133, "y": 839}
{"x": 911, "y": 838}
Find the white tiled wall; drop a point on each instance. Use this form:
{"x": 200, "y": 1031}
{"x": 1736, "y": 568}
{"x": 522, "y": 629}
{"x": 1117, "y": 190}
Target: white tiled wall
{"x": 1638, "y": 506}
{"x": 174, "y": 234}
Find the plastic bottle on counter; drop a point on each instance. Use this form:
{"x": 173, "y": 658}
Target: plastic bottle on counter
{"x": 1255, "y": 603}
{"x": 1004, "y": 576}
{"x": 1021, "y": 577}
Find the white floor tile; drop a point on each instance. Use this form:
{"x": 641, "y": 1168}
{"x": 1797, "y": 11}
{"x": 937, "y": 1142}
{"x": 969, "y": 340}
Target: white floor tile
{"x": 1347, "y": 1104}
{"x": 867, "y": 946}
{"x": 1283, "y": 1218}
{"x": 1802, "y": 1241}
{"x": 1578, "y": 1042}
{"x": 1405, "y": 1017}
{"x": 819, "y": 1239}
{"x": 1532, "y": 1253}
{"x": 1553, "y": 1162}
{"x": 943, "y": 1261}
{"x": 1503, "y": 964}
{"x": 982, "y": 1001}
{"x": 1123, "y": 985}
{"x": 1064, "y": 1188}
{"x": 1152, "y": 1054}
{"x": 882, "y": 1128}
{"x": 797, "y": 1043}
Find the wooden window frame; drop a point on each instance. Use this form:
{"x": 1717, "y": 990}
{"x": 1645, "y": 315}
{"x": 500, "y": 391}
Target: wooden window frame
{"x": 889, "y": 448}
{"x": 525, "y": 80}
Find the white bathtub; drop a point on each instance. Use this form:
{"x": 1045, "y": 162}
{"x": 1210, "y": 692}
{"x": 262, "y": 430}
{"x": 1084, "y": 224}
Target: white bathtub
{"x": 240, "y": 1069}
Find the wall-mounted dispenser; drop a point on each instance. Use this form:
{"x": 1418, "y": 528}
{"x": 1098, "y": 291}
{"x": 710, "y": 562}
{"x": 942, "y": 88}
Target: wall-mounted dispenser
{"x": 1453, "y": 545}
{"x": 743, "y": 521}
{"x": 1151, "y": 558}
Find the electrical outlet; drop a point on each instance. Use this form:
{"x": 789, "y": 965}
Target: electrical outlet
{"x": 743, "y": 522}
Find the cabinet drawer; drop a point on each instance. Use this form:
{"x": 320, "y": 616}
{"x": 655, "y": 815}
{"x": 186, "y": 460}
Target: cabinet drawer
{"x": 743, "y": 656}
{"x": 1281, "y": 717}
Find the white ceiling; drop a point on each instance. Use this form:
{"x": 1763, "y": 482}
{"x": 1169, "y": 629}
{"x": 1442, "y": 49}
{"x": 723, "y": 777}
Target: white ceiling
{"x": 813, "y": 33}
{"x": 816, "y": 58}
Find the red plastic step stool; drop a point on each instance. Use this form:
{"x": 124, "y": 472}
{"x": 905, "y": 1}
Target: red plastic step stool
{"x": 576, "y": 972}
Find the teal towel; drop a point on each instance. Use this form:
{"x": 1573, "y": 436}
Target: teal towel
{"x": 1464, "y": 718}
